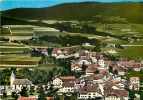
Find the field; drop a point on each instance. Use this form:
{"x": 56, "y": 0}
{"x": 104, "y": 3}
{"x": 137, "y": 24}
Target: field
{"x": 6, "y": 47}
{"x": 12, "y": 60}
{"x": 14, "y": 57}
{"x": 16, "y": 31}
{"x": 121, "y": 29}
{"x": 132, "y": 52}
{"x": 16, "y": 54}
{"x": 125, "y": 30}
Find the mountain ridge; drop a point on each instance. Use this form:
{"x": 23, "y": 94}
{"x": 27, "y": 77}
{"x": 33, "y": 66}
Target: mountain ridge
{"x": 83, "y": 10}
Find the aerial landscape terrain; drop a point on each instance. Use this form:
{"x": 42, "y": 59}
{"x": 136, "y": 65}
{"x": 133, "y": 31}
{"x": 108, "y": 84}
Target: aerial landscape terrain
{"x": 83, "y": 50}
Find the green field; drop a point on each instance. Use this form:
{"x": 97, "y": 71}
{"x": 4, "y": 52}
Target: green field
{"x": 132, "y": 52}
{"x": 15, "y": 57}
{"x": 6, "y": 47}
{"x": 135, "y": 74}
{"x": 6, "y": 60}
{"x": 14, "y": 50}
{"x": 16, "y": 31}
{"x": 137, "y": 42}
{"x": 2, "y": 43}
{"x": 121, "y": 29}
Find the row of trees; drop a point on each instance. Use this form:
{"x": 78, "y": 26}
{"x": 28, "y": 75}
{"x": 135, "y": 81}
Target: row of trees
{"x": 82, "y": 28}
{"x": 67, "y": 26}
{"x": 69, "y": 40}
{"x": 5, "y": 76}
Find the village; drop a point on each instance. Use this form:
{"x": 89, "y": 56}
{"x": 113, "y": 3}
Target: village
{"x": 55, "y": 72}
{"x": 71, "y": 50}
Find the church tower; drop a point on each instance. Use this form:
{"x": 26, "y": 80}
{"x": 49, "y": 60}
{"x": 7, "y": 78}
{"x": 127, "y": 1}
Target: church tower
{"x": 12, "y": 79}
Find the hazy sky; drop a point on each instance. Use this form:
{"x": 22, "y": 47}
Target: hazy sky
{"x": 9, "y": 4}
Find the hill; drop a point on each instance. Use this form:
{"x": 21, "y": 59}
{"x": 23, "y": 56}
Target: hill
{"x": 77, "y": 11}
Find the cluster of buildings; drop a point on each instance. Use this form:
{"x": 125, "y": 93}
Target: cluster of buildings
{"x": 100, "y": 78}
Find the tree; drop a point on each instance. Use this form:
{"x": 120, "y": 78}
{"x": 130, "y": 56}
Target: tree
{"x": 96, "y": 72}
{"x": 24, "y": 92}
{"x": 32, "y": 90}
{"x": 41, "y": 92}
{"x": 4, "y": 94}
{"x": 4, "y": 77}
{"x": 50, "y": 51}
{"x": 110, "y": 69}
{"x": 131, "y": 95}
{"x": 97, "y": 48}
{"x": 141, "y": 95}
{"x": 115, "y": 72}
{"x": 84, "y": 67}
{"x": 14, "y": 95}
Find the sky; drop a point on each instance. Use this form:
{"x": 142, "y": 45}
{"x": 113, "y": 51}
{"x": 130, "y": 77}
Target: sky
{"x": 10, "y": 4}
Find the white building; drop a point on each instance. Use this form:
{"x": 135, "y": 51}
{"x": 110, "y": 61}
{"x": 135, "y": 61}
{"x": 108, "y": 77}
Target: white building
{"x": 89, "y": 91}
{"x": 134, "y": 83}
{"x": 101, "y": 62}
{"x": 65, "y": 84}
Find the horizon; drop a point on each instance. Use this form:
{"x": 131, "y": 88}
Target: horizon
{"x": 11, "y": 4}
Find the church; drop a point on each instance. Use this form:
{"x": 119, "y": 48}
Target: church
{"x": 17, "y": 84}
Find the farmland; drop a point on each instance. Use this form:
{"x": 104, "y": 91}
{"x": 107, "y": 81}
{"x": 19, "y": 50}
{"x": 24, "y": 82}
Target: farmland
{"x": 132, "y": 52}
{"x": 6, "y": 47}
{"x": 18, "y": 61}
{"x": 16, "y": 55}
{"x": 131, "y": 34}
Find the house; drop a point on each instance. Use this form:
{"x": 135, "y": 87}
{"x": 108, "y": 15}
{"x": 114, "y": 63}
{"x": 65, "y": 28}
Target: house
{"x": 95, "y": 69}
{"x": 89, "y": 91}
{"x": 76, "y": 67}
{"x": 121, "y": 71}
{"x": 65, "y": 52}
{"x": 49, "y": 98}
{"x": 101, "y": 62}
{"x": 17, "y": 84}
{"x": 116, "y": 94}
{"x": 84, "y": 61}
{"x": 99, "y": 76}
{"x": 86, "y": 44}
{"x": 2, "y": 90}
{"x": 130, "y": 64}
{"x": 94, "y": 60}
{"x": 91, "y": 69}
{"x": 134, "y": 83}
{"x": 44, "y": 52}
{"x": 114, "y": 90}
{"x": 65, "y": 84}
{"x": 27, "y": 98}
{"x": 56, "y": 52}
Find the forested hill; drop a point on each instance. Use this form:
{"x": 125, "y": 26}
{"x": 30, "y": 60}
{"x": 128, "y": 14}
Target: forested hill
{"x": 133, "y": 12}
